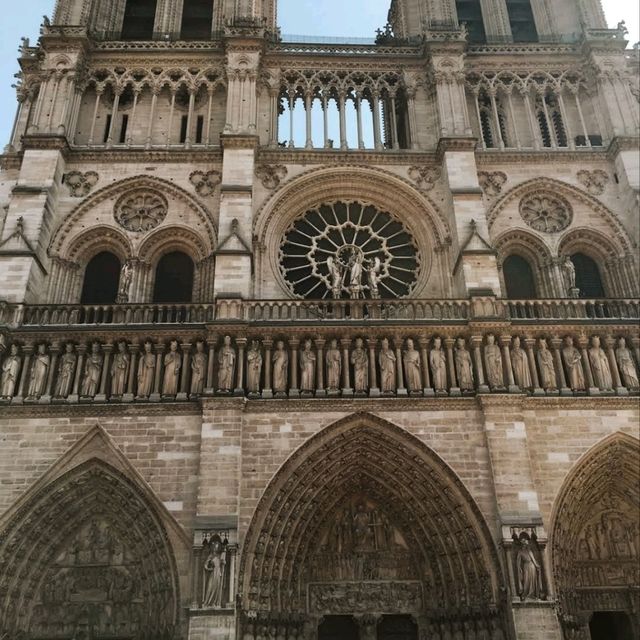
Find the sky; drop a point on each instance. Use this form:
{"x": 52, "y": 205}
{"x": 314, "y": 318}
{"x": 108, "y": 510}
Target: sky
{"x": 349, "y": 18}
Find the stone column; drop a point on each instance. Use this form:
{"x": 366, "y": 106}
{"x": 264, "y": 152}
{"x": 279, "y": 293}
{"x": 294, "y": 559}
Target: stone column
{"x": 54, "y": 352}
{"x": 155, "y": 396}
{"x": 294, "y": 391}
{"x": 476, "y": 344}
{"x": 209, "y": 389}
{"x": 347, "y": 390}
{"x": 267, "y": 391}
{"x": 454, "y": 390}
{"x": 239, "y": 390}
{"x": 583, "y": 343}
{"x": 374, "y": 390}
{"x": 129, "y": 396}
{"x": 184, "y": 373}
{"x": 320, "y": 390}
{"x": 610, "y": 343}
{"x": 505, "y": 342}
{"x": 427, "y": 389}
{"x": 106, "y": 366}
{"x": 529, "y": 345}
{"x": 402, "y": 390}
{"x": 556, "y": 344}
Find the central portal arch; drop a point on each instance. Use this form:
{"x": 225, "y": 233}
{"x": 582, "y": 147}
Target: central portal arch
{"x": 364, "y": 522}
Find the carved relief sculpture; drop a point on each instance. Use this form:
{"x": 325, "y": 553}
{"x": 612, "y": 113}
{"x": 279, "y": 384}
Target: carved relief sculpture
{"x": 360, "y": 362}
{"x": 464, "y": 366}
{"x": 120, "y": 370}
{"x": 573, "y": 362}
{"x": 66, "y": 369}
{"x": 569, "y": 274}
{"x": 546, "y": 212}
{"x": 39, "y": 372}
{"x": 205, "y": 183}
{"x": 226, "y": 366}
{"x": 280, "y": 361}
{"x": 80, "y": 184}
{"x": 254, "y": 367}
{"x": 271, "y": 175}
{"x": 520, "y": 364}
{"x": 627, "y": 365}
{"x": 600, "y": 366}
{"x": 528, "y": 568}
{"x": 10, "y": 372}
{"x": 198, "y": 369}
{"x": 307, "y": 368}
{"x": 140, "y": 210}
{"x": 215, "y": 570}
{"x": 412, "y": 368}
{"x": 387, "y": 360}
{"x": 595, "y": 181}
{"x": 172, "y": 366}
{"x": 424, "y": 177}
{"x": 126, "y": 276}
{"x": 493, "y": 364}
{"x": 92, "y": 371}
{"x": 333, "y": 359}
{"x": 438, "y": 360}
{"x": 146, "y": 370}
{"x": 491, "y": 183}
{"x": 547, "y": 367}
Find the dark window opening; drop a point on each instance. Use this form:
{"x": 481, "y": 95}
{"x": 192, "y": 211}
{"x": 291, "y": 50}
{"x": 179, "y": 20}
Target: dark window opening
{"x": 199, "y": 129}
{"x": 519, "y": 279}
{"x": 101, "y": 279}
{"x": 139, "y": 20}
{"x": 470, "y": 13}
{"x": 338, "y": 628}
{"x": 183, "y": 128}
{"x": 197, "y": 19}
{"x": 123, "y": 129}
{"x": 588, "y": 278}
{"x": 107, "y": 129}
{"x": 610, "y": 625}
{"x": 397, "y": 628}
{"x": 174, "y": 279}
{"x": 595, "y": 140}
{"x": 523, "y": 25}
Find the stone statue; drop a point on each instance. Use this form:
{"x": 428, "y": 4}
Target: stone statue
{"x": 39, "y": 372}
{"x": 254, "y": 367}
{"x": 356, "y": 265}
{"x": 226, "y": 366}
{"x": 600, "y": 366}
{"x": 627, "y": 366}
{"x": 92, "y": 372}
{"x": 520, "y": 364}
{"x": 198, "y": 369}
{"x": 126, "y": 276}
{"x": 280, "y": 361}
{"x": 547, "y": 367}
{"x": 496, "y": 630}
{"x": 66, "y": 369}
{"x": 146, "y": 370}
{"x": 307, "y": 368}
{"x": 464, "y": 366}
{"x": 493, "y": 363}
{"x": 387, "y": 360}
{"x": 10, "y": 372}
{"x": 214, "y": 571}
{"x": 412, "y": 367}
{"x": 336, "y": 273}
{"x": 360, "y": 362}
{"x": 573, "y": 360}
{"x": 120, "y": 370}
{"x": 333, "y": 360}
{"x": 373, "y": 277}
{"x": 172, "y": 366}
{"x": 569, "y": 273}
{"x": 528, "y": 571}
{"x": 438, "y": 361}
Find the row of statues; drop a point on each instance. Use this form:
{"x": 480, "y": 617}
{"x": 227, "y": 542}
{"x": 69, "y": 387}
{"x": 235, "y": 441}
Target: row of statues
{"x": 318, "y": 368}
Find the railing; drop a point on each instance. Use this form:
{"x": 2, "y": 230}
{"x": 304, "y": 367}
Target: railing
{"x": 570, "y": 309}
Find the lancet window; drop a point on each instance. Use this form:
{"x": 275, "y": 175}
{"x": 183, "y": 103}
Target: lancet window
{"x": 470, "y": 14}
{"x": 197, "y": 19}
{"x": 139, "y": 19}
{"x": 523, "y": 26}
{"x": 101, "y": 279}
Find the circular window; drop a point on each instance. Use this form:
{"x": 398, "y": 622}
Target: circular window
{"x": 349, "y": 250}
{"x": 140, "y": 210}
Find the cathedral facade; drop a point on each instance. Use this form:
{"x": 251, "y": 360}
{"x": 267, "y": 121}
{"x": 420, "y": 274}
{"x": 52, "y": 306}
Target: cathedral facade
{"x": 321, "y": 340}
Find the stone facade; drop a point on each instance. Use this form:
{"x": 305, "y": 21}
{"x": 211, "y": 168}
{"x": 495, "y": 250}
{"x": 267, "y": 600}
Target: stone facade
{"x": 321, "y": 340}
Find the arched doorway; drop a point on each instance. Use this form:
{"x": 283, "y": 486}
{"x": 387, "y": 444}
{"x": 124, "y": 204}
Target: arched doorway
{"x": 363, "y": 518}
{"x": 588, "y": 277}
{"x": 519, "y": 279}
{"x": 610, "y": 625}
{"x": 174, "y": 279}
{"x": 101, "y": 279}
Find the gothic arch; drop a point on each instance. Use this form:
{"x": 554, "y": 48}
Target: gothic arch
{"x": 589, "y": 241}
{"x": 101, "y": 238}
{"x": 594, "y": 538}
{"x": 174, "y": 238}
{"x": 440, "y": 539}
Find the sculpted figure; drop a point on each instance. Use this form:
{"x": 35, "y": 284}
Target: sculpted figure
{"x": 226, "y": 365}
{"x": 355, "y": 275}
{"x": 66, "y": 369}
{"x": 569, "y": 273}
{"x": 520, "y": 364}
{"x": 254, "y": 367}
{"x": 412, "y": 367}
{"x": 146, "y": 369}
{"x": 198, "y": 369}
{"x": 336, "y": 274}
{"x": 547, "y": 367}
{"x": 333, "y": 360}
{"x": 573, "y": 360}
{"x": 307, "y": 368}
{"x": 493, "y": 363}
{"x": 438, "y": 361}
{"x": 172, "y": 366}
{"x": 92, "y": 371}
{"x": 120, "y": 370}
{"x": 373, "y": 277}
{"x": 464, "y": 366}
{"x": 529, "y": 572}
{"x": 280, "y": 361}
{"x": 214, "y": 570}
{"x": 126, "y": 275}
{"x": 360, "y": 362}
{"x": 496, "y": 630}
{"x": 10, "y": 372}
{"x": 39, "y": 372}
{"x": 600, "y": 366}
{"x": 387, "y": 360}
{"x": 627, "y": 366}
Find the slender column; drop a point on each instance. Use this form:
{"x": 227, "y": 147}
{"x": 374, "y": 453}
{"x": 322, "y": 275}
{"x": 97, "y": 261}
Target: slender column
{"x": 413, "y": 119}
{"x": 292, "y": 103}
{"x": 453, "y": 388}
{"x": 75, "y": 394}
{"x": 635, "y": 341}
{"x": 209, "y": 390}
{"x": 136, "y": 95}
{"x": 69, "y": 105}
{"x": 535, "y": 131}
{"x": 476, "y": 99}
{"x": 22, "y": 101}
{"x": 556, "y": 343}
{"x": 374, "y": 390}
{"x": 359, "y": 117}
{"x": 252, "y": 77}
{"x": 192, "y": 102}
{"x": 267, "y": 392}
{"x": 585, "y": 132}
{"x": 496, "y": 117}
{"x": 343, "y": 120}
{"x": 152, "y": 115}
{"x": 394, "y": 123}
{"x": 550, "y": 125}
{"x": 114, "y": 116}
{"x": 274, "y": 95}
{"x": 529, "y": 344}
{"x": 184, "y": 373}
{"x": 37, "y": 112}
{"x": 53, "y": 367}
{"x": 27, "y": 352}
{"x": 512, "y": 115}
{"x": 476, "y": 344}
{"x": 505, "y": 341}
{"x": 56, "y": 89}
{"x": 565, "y": 121}
{"x": 308, "y": 105}
{"x": 320, "y": 390}
{"x": 96, "y": 106}
{"x": 155, "y": 396}
{"x": 583, "y": 343}
{"x": 134, "y": 348}
{"x": 401, "y": 391}
{"x": 294, "y": 391}
{"x": 376, "y": 121}
{"x": 73, "y": 118}
{"x": 325, "y": 107}
{"x": 239, "y": 390}
{"x": 426, "y": 377}
{"x": 613, "y": 365}
{"x": 106, "y": 366}
{"x": 171, "y": 111}
{"x": 207, "y": 129}
{"x": 346, "y": 367}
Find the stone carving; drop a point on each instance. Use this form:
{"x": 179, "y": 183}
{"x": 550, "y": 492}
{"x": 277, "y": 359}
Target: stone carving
{"x": 600, "y": 366}
{"x": 172, "y": 366}
{"x": 120, "y": 370}
{"x": 360, "y": 362}
{"x": 387, "y": 360}
{"x": 627, "y": 366}
{"x": 140, "y": 210}
{"x": 280, "y": 360}
{"x": 10, "y": 372}
{"x": 271, "y": 175}
{"x": 412, "y": 368}
{"x": 355, "y": 266}
{"x": 80, "y": 184}
{"x": 92, "y": 371}
{"x": 520, "y": 364}
{"x": 333, "y": 360}
{"x": 307, "y": 369}
{"x": 226, "y": 366}
{"x": 464, "y": 366}
{"x": 595, "y": 182}
{"x": 373, "y": 268}
{"x": 528, "y": 567}
{"x": 424, "y": 177}
{"x": 362, "y": 597}
{"x": 39, "y": 372}
{"x": 569, "y": 275}
{"x": 254, "y": 367}
{"x": 215, "y": 570}
{"x": 126, "y": 276}
{"x": 199, "y": 362}
{"x": 491, "y": 182}
{"x": 146, "y": 370}
{"x": 66, "y": 369}
{"x": 438, "y": 361}
{"x": 205, "y": 183}
{"x": 493, "y": 364}
{"x": 573, "y": 362}
{"x": 546, "y": 212}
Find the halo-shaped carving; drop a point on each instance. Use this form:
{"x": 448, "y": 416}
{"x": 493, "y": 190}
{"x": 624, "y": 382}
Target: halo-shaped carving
{"x": 319, "y": 250}
{"x": 546, "y": 212}
{"x": 140, "y": 210}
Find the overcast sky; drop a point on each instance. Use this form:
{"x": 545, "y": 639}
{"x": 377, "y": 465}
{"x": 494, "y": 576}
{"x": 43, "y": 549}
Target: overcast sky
{"x": 301, "y": 17}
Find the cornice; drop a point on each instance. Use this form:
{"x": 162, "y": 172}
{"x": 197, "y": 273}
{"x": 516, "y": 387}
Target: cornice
{"x": 132, "y": 156}
{"x": 269, "y": 155}
{"x": 100, "y": 410}
{"x": 45, "y": 142}
{"x": 239, "y": 141}
{"x": 530, "y": 156}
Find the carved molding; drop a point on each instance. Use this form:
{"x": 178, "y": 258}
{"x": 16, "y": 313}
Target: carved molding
{"x": 595, "y": 181}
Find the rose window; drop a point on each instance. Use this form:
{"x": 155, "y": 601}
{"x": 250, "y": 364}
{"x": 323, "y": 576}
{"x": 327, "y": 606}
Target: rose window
{"x": 140, "y": 210}
{"x": 349, "y": 250}
{"x": 546, "y": 212}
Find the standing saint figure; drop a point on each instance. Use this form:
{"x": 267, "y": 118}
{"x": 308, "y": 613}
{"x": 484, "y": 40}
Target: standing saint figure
{"x": 360, "y": 362}
{"x": 66, "y": 369}
{"x": 126, "y": 276}
{"x": 573, "y": 360}
{"x": 355, "y": 274}
{"x": 528, "y": 571}
{"x": 333, "y": 361}
{"x": 10, "y": 372}
{"x": 464, "y": 366}
{"x": 373, "y": 277}
{"x": 307, "y": 368}
{"x": 120, "y": 370}
{"x": 412, "y": 367}
{"x": 254, "y": 367}
{"x": 146, "y": 370}
{"x": 600, "y": 366}
{"x": 569, "y": 273}
{"x": 39, "y": 371}
{"x": 336, "y": 274}
{"x": 387, "y": 360}
{"x": 547, "y": 367}
{"x": 493, "y": 364}
{"x": 438, "y": 361}
{"x": 198, "y": 369}
{"x": 226, "y": 366}
{"x": 627, "y": 366}
{"x": 214, "y": 572}
{"x": 92, "y": 372}
{"x": 520, "y": 364}
{"x": 280, "y": 360}
{"x": 172, "y": 366}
